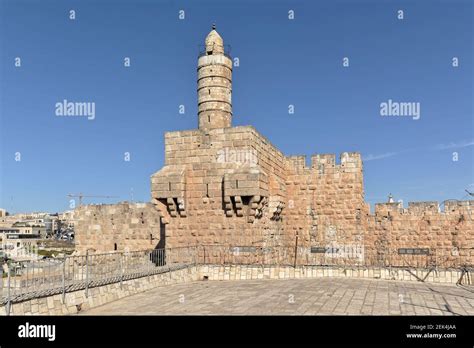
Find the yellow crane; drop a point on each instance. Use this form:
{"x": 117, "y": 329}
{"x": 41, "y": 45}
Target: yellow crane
{"x": 81, "y": 196}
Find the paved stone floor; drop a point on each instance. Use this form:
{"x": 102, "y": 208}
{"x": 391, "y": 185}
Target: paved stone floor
{"x": 322, "y": 296}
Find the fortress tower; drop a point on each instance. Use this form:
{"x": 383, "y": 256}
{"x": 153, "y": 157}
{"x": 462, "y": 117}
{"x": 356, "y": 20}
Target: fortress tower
{"x": 214, "y": 84}
{"x": 225, "y": 187}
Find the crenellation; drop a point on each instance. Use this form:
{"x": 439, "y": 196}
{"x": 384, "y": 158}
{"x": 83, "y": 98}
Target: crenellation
{"x": 457, "y": 206}
{"x": 351, "y": 159}
{"x": 298, "y": 161}
{"x": 384, "y": 209}
{"x": 323, "y": 161}
{"x": 419, "y": 208}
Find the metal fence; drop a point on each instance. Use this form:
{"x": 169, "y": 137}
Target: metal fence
{"x": 33, "y": 279}
{"x": 26, "y": 280}
{"x": 351, "y": 256}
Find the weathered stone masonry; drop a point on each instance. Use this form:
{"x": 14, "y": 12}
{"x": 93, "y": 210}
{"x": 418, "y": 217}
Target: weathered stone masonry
{"x": 224, "y": 185}
{"x": 118, "y": 227}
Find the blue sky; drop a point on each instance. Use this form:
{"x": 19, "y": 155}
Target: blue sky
{"x": 282, "y": 62}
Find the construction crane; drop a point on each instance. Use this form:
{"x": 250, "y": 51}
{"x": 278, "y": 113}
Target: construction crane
{"x": 81, "y": 196}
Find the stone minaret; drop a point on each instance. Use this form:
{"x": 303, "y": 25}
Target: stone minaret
{"x": 214, "y": 85}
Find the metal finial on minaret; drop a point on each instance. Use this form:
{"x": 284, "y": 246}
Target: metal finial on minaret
{"x": 213, "y": 26}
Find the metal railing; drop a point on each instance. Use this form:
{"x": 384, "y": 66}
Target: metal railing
{"x": 202, "y": 51}
{"x": 352, "y": 256}
{"x": 26, "y": 280}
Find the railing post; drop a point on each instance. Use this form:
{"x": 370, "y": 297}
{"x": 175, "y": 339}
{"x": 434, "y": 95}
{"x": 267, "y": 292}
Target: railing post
{"x": 121, "y": 269}
{"x": 87, "y": 273}
{"x": 296, "y": 249}
{"x": 169, "y": 261}
{"x": 8, "y": 308}
{"x": 390, "y": 262}
{"x": 148, "y": 265}
{"x": 196, "y": 251}
{"x": 64, "y": 280}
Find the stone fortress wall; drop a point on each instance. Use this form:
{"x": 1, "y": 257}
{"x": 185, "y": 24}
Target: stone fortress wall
{"x": 448, "y": 232}
{"x": 224, "y": 185}
{"x": 326, "y": 200}
{"x": 216, "y": 185}
{"x": 117, "y": 227}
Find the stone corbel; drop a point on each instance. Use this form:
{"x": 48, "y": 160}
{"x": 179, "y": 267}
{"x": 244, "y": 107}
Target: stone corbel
{"x": 276, "y": 208}
{"x": 239, "y": 206}
{"x": 229, "y": 209}
{"x": 169, "y": 189}
{"x": 181, "y": 207}
{"x": 257, "y": 203}
{"x": 176, "y": 207}
{"x": 172, "y": 209}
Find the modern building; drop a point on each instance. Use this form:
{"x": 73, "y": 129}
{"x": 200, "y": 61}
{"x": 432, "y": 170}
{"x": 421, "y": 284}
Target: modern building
{"x": 19, "y": 243}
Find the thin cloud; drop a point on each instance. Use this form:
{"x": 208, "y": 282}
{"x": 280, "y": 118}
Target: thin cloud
{"x": 371, "y": 157}
{"x": 454, "y": 145}
{"x": 439, "y": 147}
